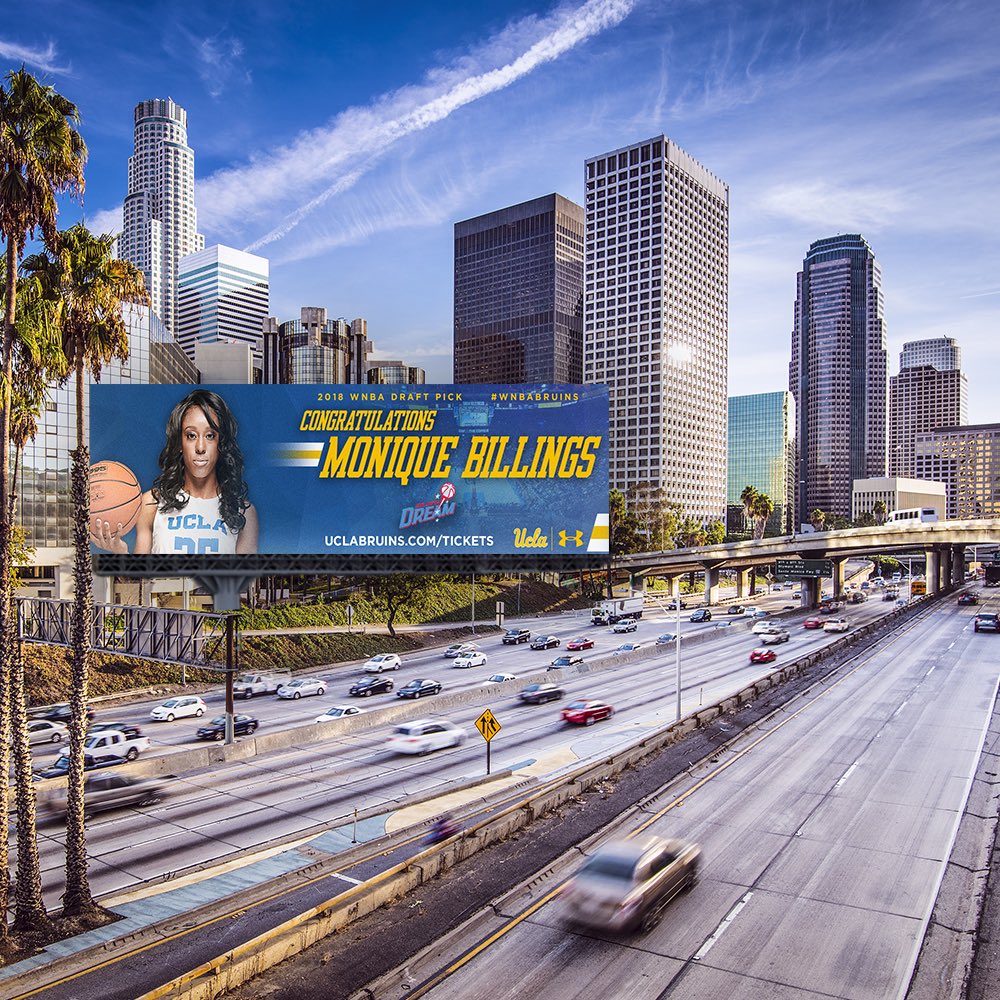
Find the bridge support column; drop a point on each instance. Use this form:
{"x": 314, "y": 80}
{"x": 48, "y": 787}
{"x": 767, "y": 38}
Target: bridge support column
{"x": 743, "y": 577}
{"x": 711, "y": 585}
{"x": 809, "y": 592}
{"x": 838, "y": 577}
{"x": 637, "y": 583}
{"x": 944, "y": 571}
{"x": 933, "y": 571}
{"x": 957, "y": 565}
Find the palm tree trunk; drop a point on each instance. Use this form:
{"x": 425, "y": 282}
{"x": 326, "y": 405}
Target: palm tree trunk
{"x": 77, "y": 900}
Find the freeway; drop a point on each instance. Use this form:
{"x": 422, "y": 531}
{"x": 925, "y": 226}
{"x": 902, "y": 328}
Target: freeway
{"x": 240, "y": 806}
{"x": 824, "y": 835}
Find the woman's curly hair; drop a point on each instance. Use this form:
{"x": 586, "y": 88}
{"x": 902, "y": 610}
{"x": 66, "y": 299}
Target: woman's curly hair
{"x": 168, "y": 487}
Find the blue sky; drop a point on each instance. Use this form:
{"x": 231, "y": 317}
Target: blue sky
{"x": 343, "y": 141}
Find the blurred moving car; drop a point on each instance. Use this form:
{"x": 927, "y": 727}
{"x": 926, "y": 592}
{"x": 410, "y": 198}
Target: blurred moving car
{"x": 515, "y": 635}
{"x": 586, "y": 713}
{"x": 335, "y": 712}
{"x": 773, "y": 636}
{"x": 763, "y": 656}
{"x": 624, "y": 884}
{"x": 302, "y": 687}
{"x": 986, "y": 621}
{"x": 45, "y": 731}
{"x": 701, "y": 615}
{"x": 419, "y": 687}
{"x": 759, "y": 628}
{"x": 537, "y": 694}
{"x": 56, "y": 713}
{"x": 813, "y": 623}
{"x": 625, "y": 625}
{"x": 458, "y": 648}
{"x": 666, "y": 637}
{"x": 968, "y": 598}
{"x": 735, "y": 609}
{"x": 750, "y": 611}
{"x": 382, "y": 661}
{"x": 369, "y": 686}
{"x": 179, "y": 708}
{"x": 498, "y": 679}
{"x": 545, "y": 642}
{"x": 627, "y": 647}
{"x": 109, "y": 790}
{"x": 424, "y": 735}
{"x": 564, "y": 661}
{"x": 467, "y": 660}
{"x": 243, "y": 725}
{"x": 581, "y": 642}
{"x": 837, "y": 625}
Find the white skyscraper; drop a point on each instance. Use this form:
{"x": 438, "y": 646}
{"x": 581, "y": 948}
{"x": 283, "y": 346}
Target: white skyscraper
{"x": 222, "y": 295}
{"x": 160, "y": 224}
{"x": 656, "y": 319}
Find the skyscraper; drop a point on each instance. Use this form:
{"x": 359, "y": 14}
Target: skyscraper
{"x": 314, "y": 349}
{"x": 519, "y": 293}
{"x": 838, "y": 373}
{"x": 967, "y": 460}
{"x": 655, "y": 319}
{"x": 942, "y": 353}
{"x": 222, "y": 295}
{"x": 160, "y": 223}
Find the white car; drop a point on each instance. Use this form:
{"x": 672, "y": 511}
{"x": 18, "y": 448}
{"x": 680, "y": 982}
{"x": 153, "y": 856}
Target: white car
{"x": 836, "y": 625}
{"x": 773, "y": 637}
{"x": 46, "y": 731}
{"x": 382, "y": 661}
{"x": 760, "y": 628}
{"x": 466, "y": 660}
{"x": 458, "y": 648}
{"x": 425, "y": 735}
{"x": 627, "y": 647}
{"x": 625, "y": 625}
{"x": 749, "y": 612}
{"x": 302, "y": 686}
{"x": 179, "y": 708}
{"x": 498, "y": 679}
{"x": 335, "y": 712}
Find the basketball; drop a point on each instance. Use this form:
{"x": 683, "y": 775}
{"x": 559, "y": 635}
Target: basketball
{"x": 115, "y": 496}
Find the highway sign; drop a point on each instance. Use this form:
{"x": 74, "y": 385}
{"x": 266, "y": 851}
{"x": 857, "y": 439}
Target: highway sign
{"x": 488, "y": 725}
{"x": 500, "y": 614}
{"x": 803, "y": 569}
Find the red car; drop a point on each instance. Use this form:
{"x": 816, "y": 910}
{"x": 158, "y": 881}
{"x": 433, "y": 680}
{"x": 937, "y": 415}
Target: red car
{"x": 586, "y": 713}
{"x": 581, "y": 643}
{"x": 763, "y": 656}
{"x": 813, "y": 623}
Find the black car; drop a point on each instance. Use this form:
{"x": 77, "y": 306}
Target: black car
{"x": 128, "y": 728}
{"x": 57, "y": 713}
{"x": 545, "y": 642}
{"x": 565, "y": 661}
{"x": 371, "y": 685}
{"x": 701, "y": 615}
{"x": 61, "y": 767}
{"x": 734, "y": 609}
{"x": 419, "y": 687}
{"x": 515, "y": 635}
{"x": 986, "y": 621}
{"x": 537, "y": 694}
{"x": 243, "y": 725}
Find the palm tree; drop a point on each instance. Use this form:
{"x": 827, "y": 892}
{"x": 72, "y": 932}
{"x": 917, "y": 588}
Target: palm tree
{"x": 880, "y": 511}
{"x": 760, "y": 510}
{"x": 41, "y": 155}
{"x": 92, "y": 286}
{"x": 747, "y": 498}
{"x": 817, "y": 519}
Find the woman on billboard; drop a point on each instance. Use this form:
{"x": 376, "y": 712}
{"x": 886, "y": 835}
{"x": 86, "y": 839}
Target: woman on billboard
{"x": 198, "y": 504}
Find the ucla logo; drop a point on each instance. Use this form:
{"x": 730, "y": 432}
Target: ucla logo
{"x": 536, "y": 540}
{"x": 576, "y": 538}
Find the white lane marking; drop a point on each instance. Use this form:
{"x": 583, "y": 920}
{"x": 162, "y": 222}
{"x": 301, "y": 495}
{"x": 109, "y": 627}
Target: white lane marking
{"x": 951, "y": 645}
{"x": 902, "y": 705}
{"x": 721, "y": 929}
{"x": 346, "y": 878}
{"x": 846, "y": 775}
{"x": 931, "y": 671}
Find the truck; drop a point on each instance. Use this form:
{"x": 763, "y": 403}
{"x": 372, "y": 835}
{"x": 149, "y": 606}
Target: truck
{"x": 608, "y": 612}
{"x": 265, "y": 682}
{"x": 107, "y": 743}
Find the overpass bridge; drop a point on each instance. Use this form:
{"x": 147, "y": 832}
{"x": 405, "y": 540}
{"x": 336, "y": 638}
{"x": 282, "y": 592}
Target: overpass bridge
{"x": 942, "y": 546}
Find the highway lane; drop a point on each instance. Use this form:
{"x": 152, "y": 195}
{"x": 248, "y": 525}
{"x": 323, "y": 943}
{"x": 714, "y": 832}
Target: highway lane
{"x": 822, "y": 851}
{"x": 242, "y": 805}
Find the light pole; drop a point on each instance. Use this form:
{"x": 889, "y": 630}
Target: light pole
{"x": 677, "y": 646}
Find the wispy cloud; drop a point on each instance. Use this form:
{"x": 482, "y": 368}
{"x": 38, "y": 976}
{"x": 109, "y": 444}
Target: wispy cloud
{"x": 824, "y": 204}
{"x": 220, "y": 62}
{"x": 327, "y": 161}
{"x": 43, "y": 59}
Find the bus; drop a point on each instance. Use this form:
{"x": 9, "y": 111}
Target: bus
{"x": 915, "y": 515}
{"x": 918, "y": 588}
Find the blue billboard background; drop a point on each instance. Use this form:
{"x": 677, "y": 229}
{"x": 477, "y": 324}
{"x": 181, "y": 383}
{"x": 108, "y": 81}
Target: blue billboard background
{"x": 339, "y": 469}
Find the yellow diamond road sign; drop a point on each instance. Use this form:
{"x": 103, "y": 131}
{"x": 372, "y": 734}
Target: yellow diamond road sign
{"x": 488, "y": 725}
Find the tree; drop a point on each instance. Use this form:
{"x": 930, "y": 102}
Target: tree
{"x": 393, "y": 592}
{"x": 690, "y": 533}
{"x": 817, "y": 519}
{"x": 837, "y": 523}
{"x": 41, "y": 155}
{"x": 747, "y": 498}
{"x": 761, "y": 509}
{"x": 865, "y": 520}
{"x": 91, "y": 287}
{"x": 715, "y": 533}
{"x": 625, "y": 535}
{"x": 879, "y": 511}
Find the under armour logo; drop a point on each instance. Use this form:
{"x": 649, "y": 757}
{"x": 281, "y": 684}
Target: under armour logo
{"x": 576, "y": 538}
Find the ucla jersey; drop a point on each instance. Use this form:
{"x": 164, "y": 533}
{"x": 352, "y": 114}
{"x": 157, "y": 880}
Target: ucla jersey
{"x": 195, "y": 529}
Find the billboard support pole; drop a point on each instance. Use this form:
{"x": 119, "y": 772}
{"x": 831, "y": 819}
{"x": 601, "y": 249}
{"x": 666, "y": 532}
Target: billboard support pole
{"x": 473, "y": 602}
{"x": 230, "y": 630}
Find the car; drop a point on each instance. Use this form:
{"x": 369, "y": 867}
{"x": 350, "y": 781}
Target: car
{"x": 761, "y": 613}
{"x": 673, "y": 605}
{"x": 601, "y": 620}
{"x": 750, "y": 611}
{"x": 498, "y": 679}
{"x": 665, "y": 638}
{"x": 789, "y": 607}
{"x": 901, "y": 602}
{"x": 128, "y": 728}
{"x": 368, "y": 686}
{"x": 888, "y": 595}
{"x": 830, "y": 607}
{"x": 759, "y": 628}
{"x": 837, "y": 625}
{"x": 46, "y": 731}
{"x": 564, "y": 661}
{"x": 586, "y": 713}
{"x": 61, "y": 766}
{"x": 627, "y": 647}
{"x": 458, "y": 648}
{"x": 813, "y": 623}
{"x": 515, "y": 635}
{"x": 763, "y": 656}
{"x": 625, "y": 625}
{"x": 537, "y": 694}
{"x": 382, "y": 661}
{"x": 301, "y": 687}
{"x": 788, "y": 585}
{"x": 775, "y": 636}
{"x": 624, "y": 885}
{"x": 419, "y": 687}
{"x": 580, "y": 643}
{"x": 865, "y": 585}
{"x": 110, "y": 790}
{"x": 546, "y": 642}
{"x": 179, "y": 708}
{"x": 986, "y": 621}
{"x": 467, "y": 660}
{"x": 701, "y": 615}
{"x": 735, "y": 609}
{"x": 424, "y": 735}
{"x": 243, "y": 725}
{"x": 335, "y": 712}
{"x": 57, "y": 713}
{"x": 968, "y": 599}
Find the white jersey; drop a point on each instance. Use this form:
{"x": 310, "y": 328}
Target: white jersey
{"x": 195, "y": 529}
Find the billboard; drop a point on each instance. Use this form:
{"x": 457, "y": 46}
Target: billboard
{"x": 320, "y": 470}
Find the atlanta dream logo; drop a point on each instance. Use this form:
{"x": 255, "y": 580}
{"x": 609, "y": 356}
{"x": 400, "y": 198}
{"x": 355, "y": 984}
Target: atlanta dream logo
{"x": 428, "y": 511}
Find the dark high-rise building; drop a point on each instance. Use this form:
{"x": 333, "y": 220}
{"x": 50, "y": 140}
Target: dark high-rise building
{"x": 519, "y": 294}
{"x": 395, "y": 373}
{"x": 967, "y": 461}
{"x": 838, "y": 373}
